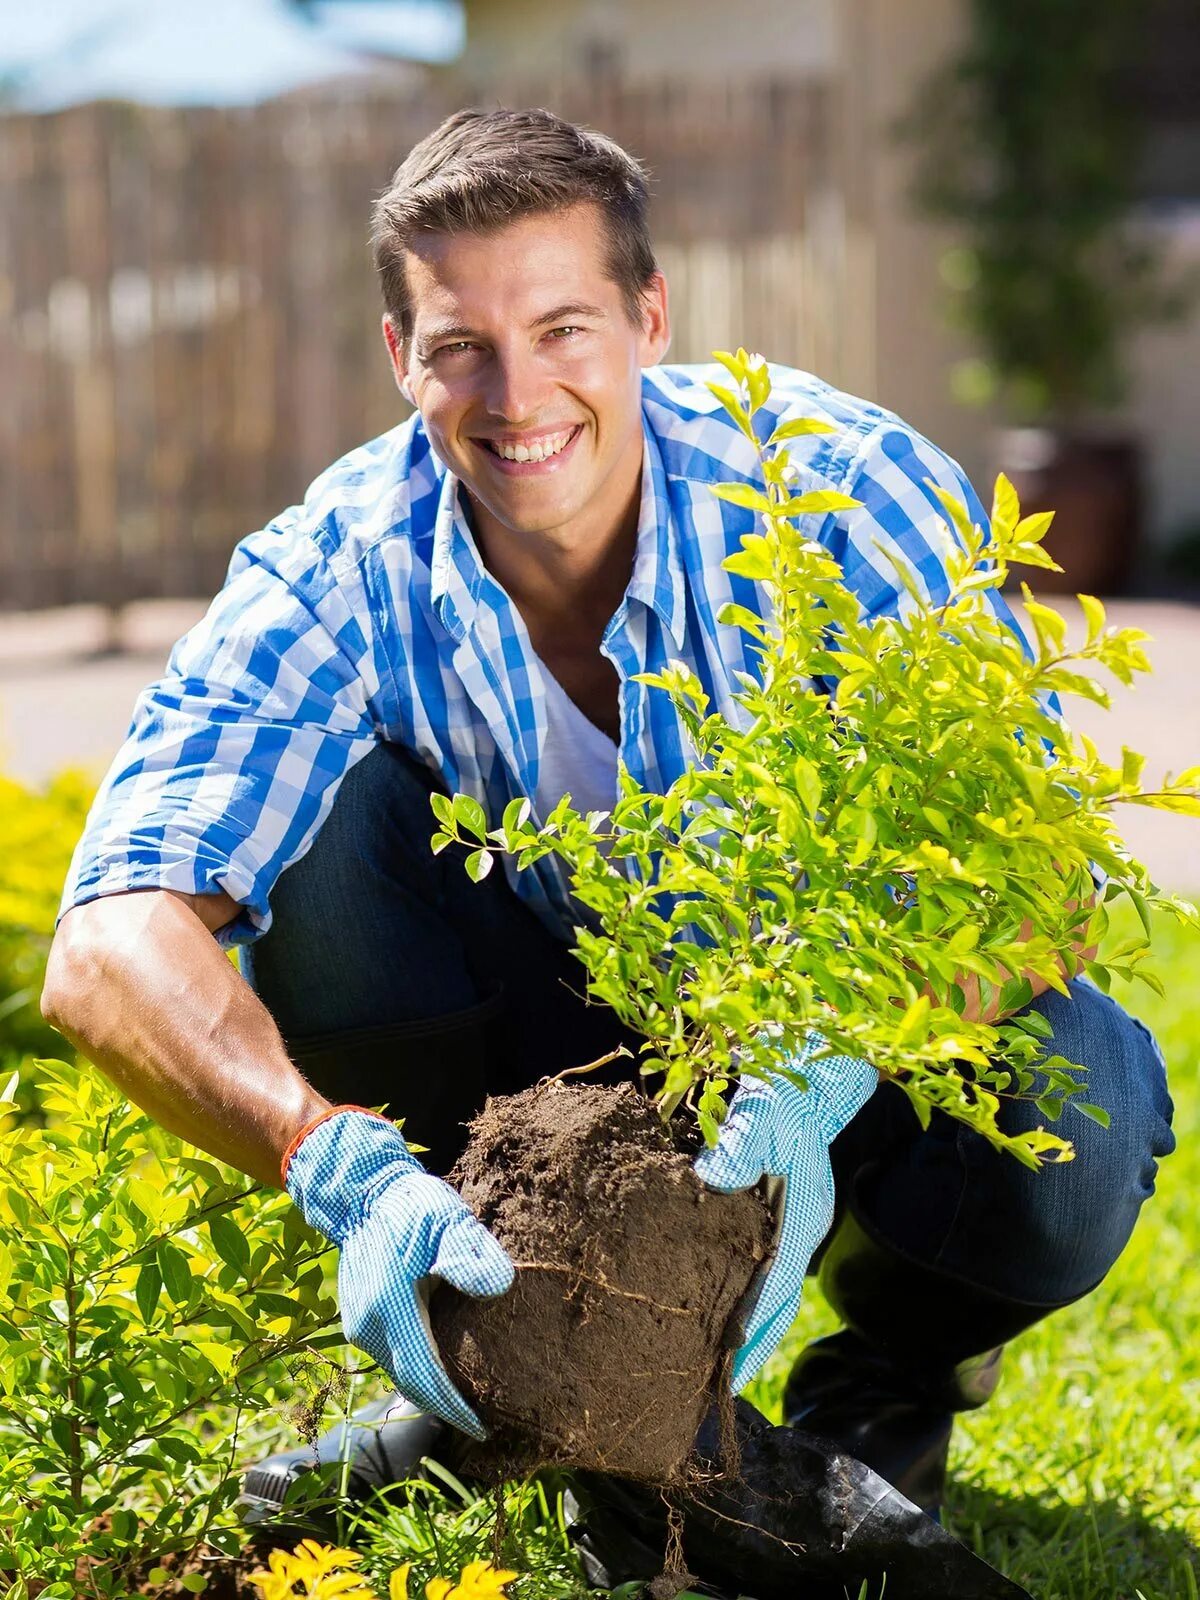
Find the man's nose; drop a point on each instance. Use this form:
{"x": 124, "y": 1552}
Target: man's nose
{"x": 516, "y": 388}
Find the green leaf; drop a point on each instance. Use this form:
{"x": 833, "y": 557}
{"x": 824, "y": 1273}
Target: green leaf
{"x": 443, "y": 808}
{"x": 798, "y": 428}
{"x": 469, "y": 814}
{"x": 478, "y": 865}
{"x": 735, "y": 409}
{"x": 1006, "y": 508}
{"x": 743, "y": 494}
{"x": 753, "y": 561}
{"x": 1093, "y": 611}
{"x": 440, "y": 841}
{"x": 148, "y": 1289}
{"x": 817, "y": 502}
{"x": 1095, "y": 1113}
{"x": 516, "y": 813}
{"x": 1143, "y": 910}
{"x": 1049, "y": 626}
{"x": 176, "y": 1273}
{"x": 230, "y": 1243}
{"x": 1033, "y": 529}
{"x": 1132, "y": 765}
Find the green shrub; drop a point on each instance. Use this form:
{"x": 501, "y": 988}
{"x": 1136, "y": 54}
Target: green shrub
{"x": 150, "y": 1303}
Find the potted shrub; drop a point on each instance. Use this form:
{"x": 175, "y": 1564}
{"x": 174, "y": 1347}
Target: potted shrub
{"x": 1029, "y": 145}
{"x": 813, "y": 885}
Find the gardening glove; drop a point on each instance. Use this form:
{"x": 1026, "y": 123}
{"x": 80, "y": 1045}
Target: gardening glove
{"x": 779, "y": 1132}
{"x": 398, "y": 1228}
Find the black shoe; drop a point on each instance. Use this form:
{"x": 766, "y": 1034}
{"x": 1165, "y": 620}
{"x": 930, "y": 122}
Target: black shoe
{"x": 384, "y": 1443}
{"x": 853, "y": 1394}
{"x": 918, "y": 1347}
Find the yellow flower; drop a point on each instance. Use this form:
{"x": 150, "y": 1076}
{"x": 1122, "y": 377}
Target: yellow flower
{"x": 478, "y": 1580}
{"x": 319, "y": 1567}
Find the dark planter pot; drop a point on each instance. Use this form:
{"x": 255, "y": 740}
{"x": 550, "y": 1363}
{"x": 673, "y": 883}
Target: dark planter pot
{"x": 1093, "y": 485}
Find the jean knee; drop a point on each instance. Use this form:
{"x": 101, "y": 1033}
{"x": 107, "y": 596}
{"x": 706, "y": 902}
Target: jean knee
{"x": 1077, "y": 1216}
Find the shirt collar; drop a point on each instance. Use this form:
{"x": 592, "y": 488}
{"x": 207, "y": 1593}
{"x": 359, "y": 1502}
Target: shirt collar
{"x": 458, "y": 576}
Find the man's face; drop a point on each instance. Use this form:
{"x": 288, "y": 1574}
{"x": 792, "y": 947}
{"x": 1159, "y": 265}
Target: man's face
{"x": 526, "y": 368}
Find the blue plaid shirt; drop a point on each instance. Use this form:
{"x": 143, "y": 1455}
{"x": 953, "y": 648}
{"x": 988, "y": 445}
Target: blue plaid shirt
{"x": 366, "y": 614}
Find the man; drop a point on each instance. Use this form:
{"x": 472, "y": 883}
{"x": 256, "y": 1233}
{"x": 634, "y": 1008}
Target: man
{"x": 465, "y": 603}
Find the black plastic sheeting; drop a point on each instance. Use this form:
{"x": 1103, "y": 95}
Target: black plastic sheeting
{"x": 801, "y": 1521}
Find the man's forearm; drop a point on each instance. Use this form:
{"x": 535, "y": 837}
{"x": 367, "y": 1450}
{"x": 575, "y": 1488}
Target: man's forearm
{"x": 140, "y": 986}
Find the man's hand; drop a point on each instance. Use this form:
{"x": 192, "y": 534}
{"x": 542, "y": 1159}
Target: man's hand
{"x": 974, "y": 1008}
{"x": 779, "y": 1132}
{"x": 355, "y": 1180}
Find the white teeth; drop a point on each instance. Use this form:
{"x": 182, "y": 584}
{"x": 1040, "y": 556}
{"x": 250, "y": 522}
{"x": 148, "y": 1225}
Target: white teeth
{"x": 540, "y": 450}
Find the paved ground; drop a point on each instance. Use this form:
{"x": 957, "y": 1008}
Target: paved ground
{"x": 62, "y": 702}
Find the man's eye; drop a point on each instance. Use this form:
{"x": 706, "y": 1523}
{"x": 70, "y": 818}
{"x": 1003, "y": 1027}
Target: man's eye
{"x": 456, "y": 348}
{"x": 561, "y": 333}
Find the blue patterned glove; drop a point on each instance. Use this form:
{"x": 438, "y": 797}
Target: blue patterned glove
{"x": 781, "y": 1133}
{"x": 397, "y": 1227}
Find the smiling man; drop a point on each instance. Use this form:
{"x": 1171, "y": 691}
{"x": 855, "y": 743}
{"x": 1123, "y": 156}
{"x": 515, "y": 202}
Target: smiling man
{"x": 465, "y": 604}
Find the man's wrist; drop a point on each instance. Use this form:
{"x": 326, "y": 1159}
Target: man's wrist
{"x": 314, "y": 1120}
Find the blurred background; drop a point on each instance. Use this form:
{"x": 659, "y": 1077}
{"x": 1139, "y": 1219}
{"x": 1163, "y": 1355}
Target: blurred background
{"x": 983, "y": 213}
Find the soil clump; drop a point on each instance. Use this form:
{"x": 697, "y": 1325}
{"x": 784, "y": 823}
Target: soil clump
{"x": 607, "y": 1351}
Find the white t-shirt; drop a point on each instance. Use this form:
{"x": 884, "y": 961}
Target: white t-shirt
{"x": 577, "y": 757}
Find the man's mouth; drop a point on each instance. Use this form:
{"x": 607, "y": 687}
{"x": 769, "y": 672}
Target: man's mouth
{"x": 532, "y": 450}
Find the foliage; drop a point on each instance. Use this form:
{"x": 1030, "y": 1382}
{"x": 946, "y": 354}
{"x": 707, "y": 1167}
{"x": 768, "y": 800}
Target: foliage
{"x": 440, "y": 1526}
{"x": 149, "y": 1302}
{"x": 835, "y": 862}
{"x": 1030, "y": 143}
{"x": 39, "y": 830}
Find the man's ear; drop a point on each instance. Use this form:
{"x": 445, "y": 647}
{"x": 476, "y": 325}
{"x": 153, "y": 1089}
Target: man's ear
{"x": 398, "y": 356}
{"x": 656, "y": 321}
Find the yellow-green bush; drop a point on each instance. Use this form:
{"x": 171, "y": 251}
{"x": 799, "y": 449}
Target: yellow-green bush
{"x": 38, "y": 830}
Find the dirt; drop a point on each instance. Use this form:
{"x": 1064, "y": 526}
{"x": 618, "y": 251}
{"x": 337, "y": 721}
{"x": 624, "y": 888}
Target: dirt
{"x": 607, "y": 1351}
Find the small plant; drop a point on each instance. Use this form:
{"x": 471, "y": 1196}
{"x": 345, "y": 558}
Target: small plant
{"x": 149, "y": 1303}
{"x": 894, "y": 807}
{"x": 440, "y": 1526}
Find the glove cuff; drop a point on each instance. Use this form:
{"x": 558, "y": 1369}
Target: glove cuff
{"x": 334, "y": 1159}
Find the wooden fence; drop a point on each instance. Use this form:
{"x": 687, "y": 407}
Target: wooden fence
{"x": 189, "y": 324}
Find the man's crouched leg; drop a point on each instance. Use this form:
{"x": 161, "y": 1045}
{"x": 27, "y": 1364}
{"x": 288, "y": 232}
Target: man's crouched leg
{"x": 944, "y": 1248}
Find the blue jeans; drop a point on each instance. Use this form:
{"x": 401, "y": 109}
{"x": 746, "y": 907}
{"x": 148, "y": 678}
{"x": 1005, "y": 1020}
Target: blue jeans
{"x": 379, "y": 949}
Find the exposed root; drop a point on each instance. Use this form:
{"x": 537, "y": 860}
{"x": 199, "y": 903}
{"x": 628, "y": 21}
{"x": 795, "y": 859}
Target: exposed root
{"x": 674, "y": 1576}
{"x": 575, "y": 1072}
{"x": 601, "y": 1282}
{"x": 731, "y": 1450}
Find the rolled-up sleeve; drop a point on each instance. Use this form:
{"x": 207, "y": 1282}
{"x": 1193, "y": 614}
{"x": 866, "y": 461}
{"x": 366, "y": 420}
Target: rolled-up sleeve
{"x": 235, "y": 754}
